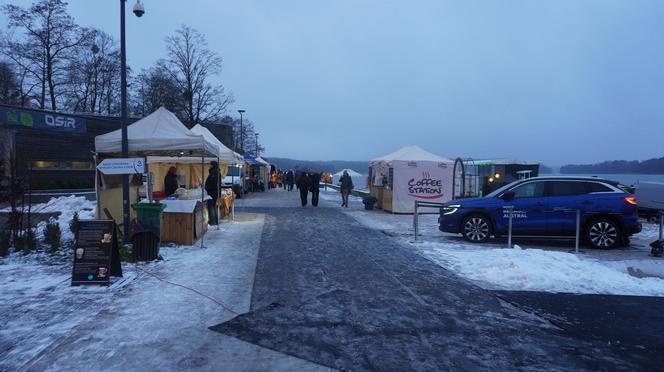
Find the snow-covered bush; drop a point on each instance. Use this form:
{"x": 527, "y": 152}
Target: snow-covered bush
{"x": 26, "y": 241}
{"x": 74, "y": 224}
{"x": 52, "y": 234}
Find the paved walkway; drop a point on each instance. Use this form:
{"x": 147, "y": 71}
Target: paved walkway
{"x": 154, "y": 326}
{"x": 339, "y": 294}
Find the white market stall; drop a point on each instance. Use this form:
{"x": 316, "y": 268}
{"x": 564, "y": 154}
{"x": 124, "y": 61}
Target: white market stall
{"x": 162, "y": 139}
{"x": 359, "y": 180}
{"x": 409, "y": 174}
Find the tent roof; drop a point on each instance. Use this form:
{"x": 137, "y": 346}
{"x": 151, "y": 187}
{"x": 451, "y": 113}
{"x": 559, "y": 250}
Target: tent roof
{"x": 160, "y": 133}
{"x": 226, "y": 155}
{"x": 351, "y": 173}
{"x": 251, "y": 160}
{"x": 261, "y": 160}
{"x": 411, "y": 153}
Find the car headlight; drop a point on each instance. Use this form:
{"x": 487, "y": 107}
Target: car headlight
{"x": 449, "y": 209}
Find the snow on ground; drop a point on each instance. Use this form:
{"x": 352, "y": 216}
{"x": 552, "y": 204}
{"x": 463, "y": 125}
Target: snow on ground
{"x": 543, "y": 266}
{"x": 139, "y": 322}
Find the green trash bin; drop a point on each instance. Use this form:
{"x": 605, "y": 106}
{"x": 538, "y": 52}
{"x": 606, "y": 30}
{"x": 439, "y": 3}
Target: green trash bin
{"x": 144, "y": 237}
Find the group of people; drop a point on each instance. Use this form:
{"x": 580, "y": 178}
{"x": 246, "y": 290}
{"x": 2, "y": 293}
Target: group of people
{"x": 282, "y": 179}
{"x": 309, "y": 182}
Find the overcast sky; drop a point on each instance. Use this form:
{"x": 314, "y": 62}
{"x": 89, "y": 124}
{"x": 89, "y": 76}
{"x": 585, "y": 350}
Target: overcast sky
{"x": 552, "y": 81}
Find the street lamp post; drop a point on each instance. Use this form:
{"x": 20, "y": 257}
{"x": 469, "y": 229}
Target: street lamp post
{"x": 256, "y": 133}
{"x": 139, "y": 11}
{"x": 241, "y": 129}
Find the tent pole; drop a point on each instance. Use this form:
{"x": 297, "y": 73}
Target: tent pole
{"x": 203, "y": 197}
{"x": 219, "y": 191}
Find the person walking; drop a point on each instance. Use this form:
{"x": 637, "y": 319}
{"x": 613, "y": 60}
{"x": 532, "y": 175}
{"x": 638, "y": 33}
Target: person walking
{"x": 212, "y": 188}
{"x": 290, "y": 179}
{"x": 314, "y": 188}
{"x": 171, "y": 181}
{"x": 346, "y": 185}
{"x": 303, "y": 184}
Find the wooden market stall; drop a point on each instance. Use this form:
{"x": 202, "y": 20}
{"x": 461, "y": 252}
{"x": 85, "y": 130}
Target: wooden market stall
{"x": 160, "y": 138}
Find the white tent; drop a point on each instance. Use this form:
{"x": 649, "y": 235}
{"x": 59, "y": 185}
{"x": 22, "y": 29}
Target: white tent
{"x": 359, "y": 180}
{"x": 160, "y": 133}
{"x": 226, "y": 155}
{"x": 410, "y": 153}
{"x": 409, "y": 174}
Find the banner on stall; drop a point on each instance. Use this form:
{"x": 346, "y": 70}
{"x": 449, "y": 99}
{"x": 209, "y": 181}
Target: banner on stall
{"x": 420, "y": 180}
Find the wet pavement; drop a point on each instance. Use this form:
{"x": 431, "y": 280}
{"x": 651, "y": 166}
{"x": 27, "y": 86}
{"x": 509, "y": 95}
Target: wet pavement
{"x": 334, "y": 292}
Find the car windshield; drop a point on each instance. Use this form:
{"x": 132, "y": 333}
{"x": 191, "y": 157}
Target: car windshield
{"x": 497, "y": 192}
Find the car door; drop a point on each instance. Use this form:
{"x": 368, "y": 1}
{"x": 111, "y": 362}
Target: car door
{"x": 529, "y": 203}
{"x": 568, "y": 196}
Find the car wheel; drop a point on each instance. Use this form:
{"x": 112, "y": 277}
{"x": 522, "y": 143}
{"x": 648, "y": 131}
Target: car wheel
{"x": 603, "y": 234}
{"x": 476, "y": 229}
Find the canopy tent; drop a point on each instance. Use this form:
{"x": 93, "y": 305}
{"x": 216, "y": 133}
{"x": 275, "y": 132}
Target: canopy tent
{"x": 260, "y": 169}
{"x": 160, "y": 134}
{"x": 226, "y": 155}
{"x": 410, "y": 153}
{"x": 409, "y": 174}
{"x": 359, "y": 180}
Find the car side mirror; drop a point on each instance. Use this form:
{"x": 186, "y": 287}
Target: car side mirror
{"x": 507, "y": 195}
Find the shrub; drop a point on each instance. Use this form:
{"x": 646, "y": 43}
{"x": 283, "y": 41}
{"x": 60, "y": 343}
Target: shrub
{"x": 52, "y": 234}
{"x": 74, "y": 224}
{"x": 26, "y": 241}
{"x": 5, "y": 240}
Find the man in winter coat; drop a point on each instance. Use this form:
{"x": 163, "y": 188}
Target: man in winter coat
{"x": 212, "y": 188}
{"x": 171, "y": 181}
{"x": 346, "y": 185}
{"x": 303, "y": 184}
{"x": 290, "y": 179}
{"x": 314, "y": 188}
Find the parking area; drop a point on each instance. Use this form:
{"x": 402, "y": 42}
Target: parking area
{"x": 533, "y": 265}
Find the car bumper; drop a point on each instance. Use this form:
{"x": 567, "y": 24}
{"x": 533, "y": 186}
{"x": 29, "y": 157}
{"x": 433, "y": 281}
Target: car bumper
{"x": 634, "y": 229}
{"x": 448, "y": 225}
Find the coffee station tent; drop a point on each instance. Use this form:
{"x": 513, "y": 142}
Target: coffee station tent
{"x": 159, "y": 135}
{"x": 408, "y": 174}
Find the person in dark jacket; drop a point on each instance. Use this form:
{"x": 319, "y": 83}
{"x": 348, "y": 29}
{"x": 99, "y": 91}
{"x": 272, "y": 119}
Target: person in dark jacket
{"x": 212, "y": 188}
{"x": 346, "y": 186}
{"x": 314, "y": 188}
{"x": 171, "y": 181}
{"x": 303, "y": 184}
{"x": 290, "y": 179}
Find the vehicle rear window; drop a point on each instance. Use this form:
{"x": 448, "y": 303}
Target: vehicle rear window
{"x": 569, "y": 188}
{"x": 597, "y": 187}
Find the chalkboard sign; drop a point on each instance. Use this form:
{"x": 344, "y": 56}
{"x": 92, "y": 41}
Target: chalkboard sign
{"x": 96, "y": 256}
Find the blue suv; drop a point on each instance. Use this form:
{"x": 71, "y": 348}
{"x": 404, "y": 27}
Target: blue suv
{"x": 546, "y": 207}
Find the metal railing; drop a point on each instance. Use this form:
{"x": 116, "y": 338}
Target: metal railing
{"x": 418, "y": 205}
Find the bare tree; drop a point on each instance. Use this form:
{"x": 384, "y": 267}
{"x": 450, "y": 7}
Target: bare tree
{"x": 153, "y": 88}
{"x": 50, "y": 34}
{"x": 244, "y": 135}
{"x": 193, "y": 66}
{"x": 9, "y": 89}
{"x": 94, "y": 76}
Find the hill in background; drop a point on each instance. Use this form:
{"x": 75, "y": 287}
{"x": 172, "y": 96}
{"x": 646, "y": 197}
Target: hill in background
{"x": 650, "y": 166}
{"x": 320, "y": 165}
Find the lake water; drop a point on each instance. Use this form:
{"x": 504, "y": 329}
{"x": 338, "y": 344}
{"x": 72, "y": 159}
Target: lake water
{"x": 627, "y": 179}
